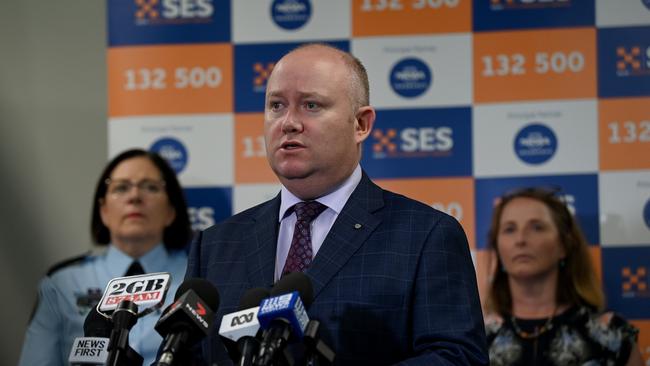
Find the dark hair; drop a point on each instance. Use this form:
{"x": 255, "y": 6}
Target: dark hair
{"x": 577, "y": 282}
{"x": 178, "y": 233}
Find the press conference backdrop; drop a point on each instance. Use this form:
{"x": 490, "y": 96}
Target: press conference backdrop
{"x": 473, "y": 99}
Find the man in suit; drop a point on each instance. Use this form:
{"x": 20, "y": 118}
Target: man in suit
{"x": 393, "y": 278}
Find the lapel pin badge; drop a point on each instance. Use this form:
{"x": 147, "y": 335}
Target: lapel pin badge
{"x": 357, "y": 226}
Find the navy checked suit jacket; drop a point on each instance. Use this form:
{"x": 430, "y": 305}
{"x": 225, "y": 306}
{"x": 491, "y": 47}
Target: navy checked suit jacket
{"x": 399, "y": 288}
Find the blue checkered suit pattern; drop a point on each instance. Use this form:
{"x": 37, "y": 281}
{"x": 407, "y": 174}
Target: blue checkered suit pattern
{"x": 392, "y": 282}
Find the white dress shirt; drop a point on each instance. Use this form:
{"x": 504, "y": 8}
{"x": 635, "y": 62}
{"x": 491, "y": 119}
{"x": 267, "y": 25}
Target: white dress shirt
{"x": 320, "y": 226}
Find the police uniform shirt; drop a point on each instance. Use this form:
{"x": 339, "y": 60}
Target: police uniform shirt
{"x": 66, "y": 296}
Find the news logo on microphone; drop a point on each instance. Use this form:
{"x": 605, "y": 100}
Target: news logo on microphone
{"x": 143, "y": 290}
{"x": 89, "y": 351}
{"x": 288, "y": 307}
{"x": 188, "y": 306}
{"x": 239, "y": 324}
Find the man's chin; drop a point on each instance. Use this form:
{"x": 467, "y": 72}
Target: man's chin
{"x": 293, "y": 173}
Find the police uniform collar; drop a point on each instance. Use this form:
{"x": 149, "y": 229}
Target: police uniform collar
{"x": 154, "y": 260}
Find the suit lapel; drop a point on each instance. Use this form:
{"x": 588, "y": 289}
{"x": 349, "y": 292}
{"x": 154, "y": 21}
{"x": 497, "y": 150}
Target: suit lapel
{"x": 350, "y": 230}
{"x": 262, "y": 241}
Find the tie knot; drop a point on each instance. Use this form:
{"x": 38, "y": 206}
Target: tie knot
{"x": 308, "y": 211}
{"x": 134, "y": 269}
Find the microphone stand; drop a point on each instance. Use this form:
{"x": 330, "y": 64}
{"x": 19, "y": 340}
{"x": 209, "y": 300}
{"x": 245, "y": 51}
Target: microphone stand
{"x": 318, "y": 353}
{"x": 124, "y": 318}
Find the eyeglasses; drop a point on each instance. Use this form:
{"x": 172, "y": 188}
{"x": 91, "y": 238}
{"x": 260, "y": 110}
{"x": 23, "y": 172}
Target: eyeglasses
{"x": 121, "y": 187}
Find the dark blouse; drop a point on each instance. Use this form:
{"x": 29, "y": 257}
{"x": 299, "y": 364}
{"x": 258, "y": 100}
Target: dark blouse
{"x": 575, "y": 337}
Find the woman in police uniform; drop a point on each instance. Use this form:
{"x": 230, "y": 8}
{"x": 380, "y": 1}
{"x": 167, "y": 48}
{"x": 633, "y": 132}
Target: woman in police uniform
{"x": 140, "y": 224}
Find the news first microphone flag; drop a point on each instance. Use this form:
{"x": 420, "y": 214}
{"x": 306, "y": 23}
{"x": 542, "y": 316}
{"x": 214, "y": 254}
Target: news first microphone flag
{"x": 473, "y": 98}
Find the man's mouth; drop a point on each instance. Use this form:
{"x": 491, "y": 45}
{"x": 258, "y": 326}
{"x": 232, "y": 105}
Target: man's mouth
{"x": 291, "y": 146}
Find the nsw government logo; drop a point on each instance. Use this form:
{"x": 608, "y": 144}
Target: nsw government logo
{"x": 173, "y": 151}
{"x": 410, "y": 77}
{"x": 535, "y": 144}
{"x": 291, "y": 14}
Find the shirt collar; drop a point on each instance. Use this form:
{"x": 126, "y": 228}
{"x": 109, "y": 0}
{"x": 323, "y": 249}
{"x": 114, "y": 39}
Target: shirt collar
{"x": 154, "y": 260}
{"x": 334, "y": 200}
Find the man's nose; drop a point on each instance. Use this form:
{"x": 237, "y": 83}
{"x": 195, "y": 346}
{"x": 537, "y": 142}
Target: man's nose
{"x": 291, "y": 122}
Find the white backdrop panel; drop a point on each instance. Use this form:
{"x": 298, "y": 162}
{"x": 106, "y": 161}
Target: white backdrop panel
{"x": 202, "y": 136}
{"x": 573, "y": 123}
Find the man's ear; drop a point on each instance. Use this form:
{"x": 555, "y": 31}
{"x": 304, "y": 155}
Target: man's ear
{"x": 364, "y": 121}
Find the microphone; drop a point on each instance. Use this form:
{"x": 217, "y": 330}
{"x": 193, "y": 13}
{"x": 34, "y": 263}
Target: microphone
{"x": 120, "y": 302}
{"x": 92, "y": 349}
{"x": 318, "y": 352}
{"x": 124, "y": 318}
{"x": 242, "y": 327}
{"x": 147, "y": 290}
{"x": 97, "y": 325}
{"x": 283, "y": 315}
{"x": 187, "y": 320}
{"x": 89, "y": 351}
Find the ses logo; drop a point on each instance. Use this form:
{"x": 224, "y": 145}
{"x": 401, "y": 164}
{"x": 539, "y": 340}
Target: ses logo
{"x": 202, "y": 217}
{"x": 635, "y": 281}
{"x": 535, "y": 144}
{"x": 632, "y": 61}
{"x": 528, "y": 4}
{"x": 410, "y": 77}
{"x": 149, "y": 12}
{"x": 412, "y": 142}
{"x": 291, "y": 14}
{"x": 173, "y": 151}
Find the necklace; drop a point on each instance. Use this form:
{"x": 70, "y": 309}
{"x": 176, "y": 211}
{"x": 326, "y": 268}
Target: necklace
{"x": 548, "y": 325}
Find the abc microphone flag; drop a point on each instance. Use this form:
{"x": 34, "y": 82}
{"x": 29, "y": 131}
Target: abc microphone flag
{"x": 239, "y": 330}
{"x": 239, "y": 324}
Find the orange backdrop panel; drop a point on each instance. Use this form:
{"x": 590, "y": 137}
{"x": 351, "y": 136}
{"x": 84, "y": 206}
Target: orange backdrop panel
{"x": 399, "y": 17}
{"x": 533, "y": 65}
{"x": 251, "y": 165}
{"x": 452, "y": 195}
{"x": 624, "y": 129}
{"x": 182, "y": 79}
{"x": 644, "y": 338}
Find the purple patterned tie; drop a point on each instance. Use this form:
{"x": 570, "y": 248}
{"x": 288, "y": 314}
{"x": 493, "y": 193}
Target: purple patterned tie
{"x": 300, "y": 252}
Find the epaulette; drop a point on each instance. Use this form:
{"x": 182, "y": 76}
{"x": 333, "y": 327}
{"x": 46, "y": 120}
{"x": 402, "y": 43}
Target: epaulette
{"x": 68, "y": 262}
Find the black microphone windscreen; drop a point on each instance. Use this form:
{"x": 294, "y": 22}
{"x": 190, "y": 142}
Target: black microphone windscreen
{"x": 295, "y": 281}
{"x": 203, "y": 288}
{"x": 253, "y": 297}
{"x": 97, "y": 325}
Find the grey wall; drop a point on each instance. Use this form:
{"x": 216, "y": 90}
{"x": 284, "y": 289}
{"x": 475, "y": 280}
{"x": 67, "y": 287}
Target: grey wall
{"x": 52, "y": 144}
